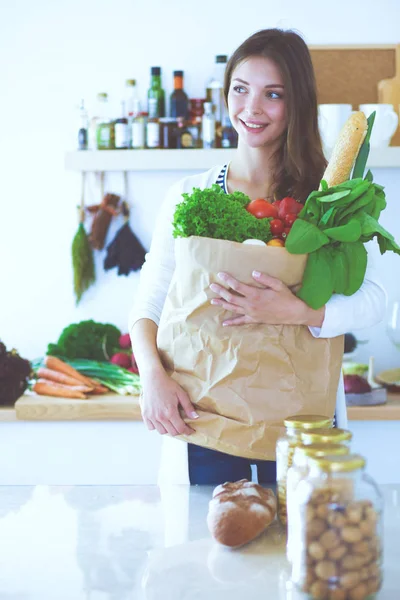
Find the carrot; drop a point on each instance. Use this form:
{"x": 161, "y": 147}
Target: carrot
{"x": 79, "y": 387}
{"x": 59, "y": 365}
{"x": 100, "y": 389}
{"x": 60, "y": 378}
{"x": 46, "y": 389}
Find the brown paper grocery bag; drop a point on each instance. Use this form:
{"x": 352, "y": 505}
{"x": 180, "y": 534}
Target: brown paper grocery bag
{"x": 243, "y": 380}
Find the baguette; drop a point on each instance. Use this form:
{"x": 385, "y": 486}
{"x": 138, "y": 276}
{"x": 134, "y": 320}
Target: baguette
{"x": 239, "y": 512}
{"x": 346, "y": 149}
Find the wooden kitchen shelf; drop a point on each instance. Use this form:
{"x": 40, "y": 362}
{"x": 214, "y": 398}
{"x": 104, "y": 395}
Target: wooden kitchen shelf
{"x": 184, "y": 160}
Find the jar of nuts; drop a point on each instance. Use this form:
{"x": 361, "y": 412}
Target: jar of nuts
{"x": 285, "y": 448}
{"x": 338, "y": 554}
{"x": 298, "y": 471}
{"x": 326, "y": 435}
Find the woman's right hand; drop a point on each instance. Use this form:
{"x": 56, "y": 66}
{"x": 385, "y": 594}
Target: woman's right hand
{"x": 160, "y": 401}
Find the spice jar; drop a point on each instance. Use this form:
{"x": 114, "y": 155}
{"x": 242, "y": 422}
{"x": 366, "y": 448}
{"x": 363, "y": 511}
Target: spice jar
{"x": 285, "y": 448}
{"x": 339, "y": 547}
{"x": 296, "y": 473}
{"x": 168, "y": 133}
{"x": 333, "y": 435}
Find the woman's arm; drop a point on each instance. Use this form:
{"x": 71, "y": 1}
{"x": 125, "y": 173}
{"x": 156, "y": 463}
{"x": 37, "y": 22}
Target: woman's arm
{"x": 161, "y": 396}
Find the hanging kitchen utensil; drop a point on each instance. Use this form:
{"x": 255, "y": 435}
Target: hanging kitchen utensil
{"x": 389, "y": 93}
{"x": 82, "y": 254}
{"x": 102, "y": 217}
{"x": 125, "y": 251}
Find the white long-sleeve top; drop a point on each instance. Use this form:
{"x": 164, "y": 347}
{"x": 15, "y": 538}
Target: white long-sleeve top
{"x": 363, "y": 309}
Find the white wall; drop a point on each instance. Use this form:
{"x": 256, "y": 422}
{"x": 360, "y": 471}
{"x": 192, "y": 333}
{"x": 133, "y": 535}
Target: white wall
{"x": 53, "y": 54}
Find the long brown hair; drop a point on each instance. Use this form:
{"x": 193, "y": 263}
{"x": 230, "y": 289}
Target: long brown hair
{"x": 300, "y": 162}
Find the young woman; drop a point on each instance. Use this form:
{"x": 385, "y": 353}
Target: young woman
{"x": 270, "y": 93}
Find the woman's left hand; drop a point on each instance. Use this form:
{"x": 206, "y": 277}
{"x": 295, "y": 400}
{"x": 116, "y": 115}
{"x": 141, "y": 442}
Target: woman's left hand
{"x": 272, "y": 304}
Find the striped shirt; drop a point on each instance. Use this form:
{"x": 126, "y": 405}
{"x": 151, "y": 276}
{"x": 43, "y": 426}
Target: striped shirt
{"x": 221, "y": 179}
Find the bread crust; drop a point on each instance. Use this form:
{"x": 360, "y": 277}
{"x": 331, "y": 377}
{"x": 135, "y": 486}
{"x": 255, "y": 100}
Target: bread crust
{"x": 346, "y": 149}
{"x": 239, "y": 512}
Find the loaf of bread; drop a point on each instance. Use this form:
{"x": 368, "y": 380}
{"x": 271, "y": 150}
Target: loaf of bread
{"x": 346, "y": 149}
{"x": 239, "y": 512}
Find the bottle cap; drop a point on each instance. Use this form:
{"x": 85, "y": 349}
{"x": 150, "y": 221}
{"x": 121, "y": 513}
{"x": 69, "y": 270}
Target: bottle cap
{"x": 320, "y": 450}
{"x": 156, "y": 70}
{"x": 326, "y": 435}
{"x": 307, "y": 422}
{"x": 178, "y": 73}
{"x": 102, "y": 96}
{"x": 339, "y": 464}
{"x": 221, "y": 58}
{"x": 131, "y": 82}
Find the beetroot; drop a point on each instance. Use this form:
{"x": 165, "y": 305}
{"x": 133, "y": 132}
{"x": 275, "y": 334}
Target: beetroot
{"x": 134, "y": 370}
{"x": 355, "y": 384}
{"x": 125, "y": 341}
{"x": 121, "y": 359}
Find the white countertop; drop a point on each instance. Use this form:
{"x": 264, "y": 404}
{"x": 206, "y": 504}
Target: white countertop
{"x": 143, "y": 543}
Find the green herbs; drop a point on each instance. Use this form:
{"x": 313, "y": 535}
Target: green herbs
{"x": 212, "y": 213}
{"x": 87, "y": 339}
{"x": 332, "y": 228}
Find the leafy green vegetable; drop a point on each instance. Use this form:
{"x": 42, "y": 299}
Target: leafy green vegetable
{"x": 332, "y": 228}
{"x": 318, "y": 279}
{"x": 305, "y": 238}
{"x": 87, "y": 339}
{"x": 362, "y": 157}
{"x": 212, "y": 213}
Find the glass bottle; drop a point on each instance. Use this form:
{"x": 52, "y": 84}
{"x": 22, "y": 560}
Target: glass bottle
{"x": 105, "y": 125}
{"x": 208, "y": 126}
{"x": 132, "y": 104}
{"x": 339, "y": 545}
{"x": 168, "y": 133}
{"x": 179, "y": 101}
{"x": 83, "y": 128}
{"x": 298, "y": 471}
{"x": 184, "y": 137}
{"x": 285, "y": 447}
{"x": 138, "y": 131}
{"x": 215, "y": 94}
{"x": 229, "y": 136}
{"x": 152, "y": 133}
{"x": 156, "y": 95}
{"x": 121, "y": 130}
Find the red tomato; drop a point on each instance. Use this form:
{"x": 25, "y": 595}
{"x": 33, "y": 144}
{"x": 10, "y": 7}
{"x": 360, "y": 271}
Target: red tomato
{"x": 262, "y": 209}
{"x": 286, "y": 232}
{"x": 276, "y": 226}
{"x": 276, "y": 203}
{"x": 289, "y": 206}
{"x": 290, "y": 219}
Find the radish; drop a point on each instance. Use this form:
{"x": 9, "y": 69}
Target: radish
{"x": 125, "y": 341}
{"x": 134, "y": 370}
{"x": 121, "y": 359}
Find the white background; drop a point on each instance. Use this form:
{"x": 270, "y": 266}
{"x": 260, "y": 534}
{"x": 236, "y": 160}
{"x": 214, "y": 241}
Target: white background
{"x": 55, "y": 53}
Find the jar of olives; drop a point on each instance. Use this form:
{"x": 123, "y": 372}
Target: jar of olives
{"x": 285, "y": 448}
{"x": 338, "y": 553}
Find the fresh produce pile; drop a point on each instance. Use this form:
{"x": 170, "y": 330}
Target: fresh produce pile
{"x": 212, "y": 213}
{"x": 82, "y": 378}
{"x": 14, "y": 375}
{"x": 89, "y": 358}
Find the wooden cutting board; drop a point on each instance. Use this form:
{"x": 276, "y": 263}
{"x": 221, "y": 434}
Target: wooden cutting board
{"x": 389, "y": 93}
{"x": 109, "y": 407}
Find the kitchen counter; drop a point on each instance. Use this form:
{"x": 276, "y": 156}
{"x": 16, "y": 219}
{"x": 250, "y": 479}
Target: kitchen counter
{"x": 145, "y": 543}
{"x": 114, "y": 407}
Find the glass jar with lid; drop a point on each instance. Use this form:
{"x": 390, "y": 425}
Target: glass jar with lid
{"x": 298, "y": 471}
{"x": 326, "y": 435}
{"x": 285, "y": 448}
{"x": 339, "y": 550}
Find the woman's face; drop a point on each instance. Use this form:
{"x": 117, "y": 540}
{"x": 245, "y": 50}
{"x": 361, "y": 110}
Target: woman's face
{"x": 256, "y": 102}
